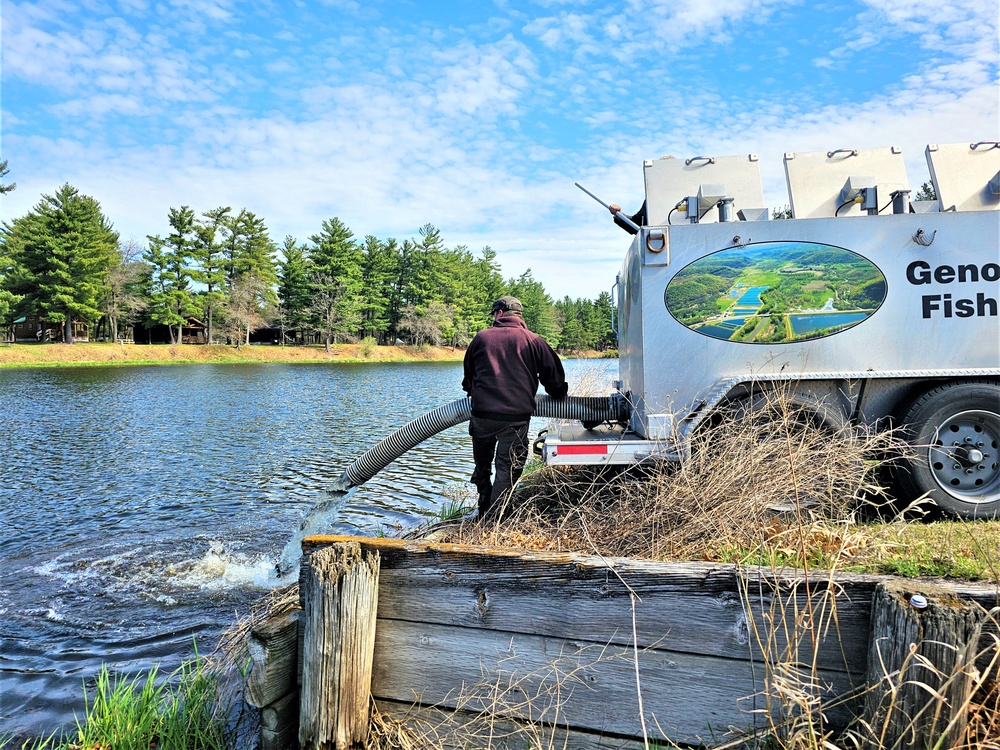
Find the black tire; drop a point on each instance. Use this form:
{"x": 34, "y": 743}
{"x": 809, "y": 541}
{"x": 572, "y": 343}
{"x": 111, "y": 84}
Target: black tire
{"x": 954, "y": 430}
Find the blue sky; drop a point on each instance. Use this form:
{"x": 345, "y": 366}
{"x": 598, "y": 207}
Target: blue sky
{"x": 476, "y": 117}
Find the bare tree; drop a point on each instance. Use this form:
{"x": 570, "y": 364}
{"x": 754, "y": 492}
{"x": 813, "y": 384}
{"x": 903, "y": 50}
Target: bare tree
{"x": 245, "y": 309}
{"x": 332, "y": 313}
{"x": 124, "y": 300}
{"x": 429, "y": 326}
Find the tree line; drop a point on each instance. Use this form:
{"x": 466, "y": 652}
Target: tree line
{"x": 64, "y": 262}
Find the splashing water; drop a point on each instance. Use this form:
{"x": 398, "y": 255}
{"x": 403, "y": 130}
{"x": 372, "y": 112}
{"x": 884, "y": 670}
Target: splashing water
{"x": 321, "y": 519}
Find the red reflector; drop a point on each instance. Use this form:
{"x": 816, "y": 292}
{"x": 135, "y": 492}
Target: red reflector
{"x": 571, "y": 450}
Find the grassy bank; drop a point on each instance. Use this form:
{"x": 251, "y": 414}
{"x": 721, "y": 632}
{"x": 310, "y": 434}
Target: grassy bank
{"x": 187, "y": 711}
{"x": 83, "y": 354}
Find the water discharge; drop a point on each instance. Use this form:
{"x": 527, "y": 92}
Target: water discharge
{"x": 321, "y": 519}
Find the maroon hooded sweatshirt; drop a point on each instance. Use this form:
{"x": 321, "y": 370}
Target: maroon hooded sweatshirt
{"x": 503, "y": 366}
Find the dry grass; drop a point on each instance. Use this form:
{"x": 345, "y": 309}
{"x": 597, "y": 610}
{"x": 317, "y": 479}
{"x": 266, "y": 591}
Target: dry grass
{"x": 761, "y": 485}
{"x": 84, "y": 353}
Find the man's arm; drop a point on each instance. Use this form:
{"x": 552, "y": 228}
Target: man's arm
{"x": 468, "y": 370}
{"x": 550, "y": 371}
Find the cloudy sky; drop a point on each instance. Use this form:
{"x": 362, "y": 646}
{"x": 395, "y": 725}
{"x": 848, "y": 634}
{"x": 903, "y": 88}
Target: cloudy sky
{"x": 472, "y": 115}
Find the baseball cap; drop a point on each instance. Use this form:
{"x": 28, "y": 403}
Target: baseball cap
{"x": 508, "y": 304}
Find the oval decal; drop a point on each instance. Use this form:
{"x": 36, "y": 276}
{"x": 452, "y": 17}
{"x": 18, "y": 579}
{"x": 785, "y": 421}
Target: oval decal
{"x": 775, "y": 292}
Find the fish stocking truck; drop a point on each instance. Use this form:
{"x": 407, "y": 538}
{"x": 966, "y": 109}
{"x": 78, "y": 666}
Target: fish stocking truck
{"x": 867, "y": 306}
{"x": 873, "y": 309}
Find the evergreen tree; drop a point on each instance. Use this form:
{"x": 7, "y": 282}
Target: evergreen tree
{"x": 8, "y": 280}
{"x": 210, "y": 266}
{"x": 604, "y": 335}
{"x": 251, "y": 251}
{"x": 490, "y": 280}
{"x": 62, "y": 250}
{"x": 333, "y": 313}
{"x": 337, "y": 278}
{"x": 3, "y": 173}
{"x": 402, "y": 285}
{"x": 378, "y": 263}
{"x": 172, "y": 300}
{"x": 539, "y": 312}
{"x": 460, "y": 295}
{"x": 926, "y": 193}
{"x": 428, "y": 269}
{"x": 294, "y": 291}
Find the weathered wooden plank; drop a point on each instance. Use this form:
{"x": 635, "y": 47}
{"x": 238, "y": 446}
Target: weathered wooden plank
{"x": 460, "y": 730}
{"x": 583, "y": 685}
{"x": 340, "y": 597}
{"x": 703, "y": 659}
{"x": 687, "y": 607}
{"x": 987, "y": 596}
{"x": 273, "y": 647}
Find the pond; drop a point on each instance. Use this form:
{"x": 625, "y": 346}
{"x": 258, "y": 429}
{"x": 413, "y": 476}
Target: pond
{"x": 143, "y": 508}
{"x": 805, "y": 323}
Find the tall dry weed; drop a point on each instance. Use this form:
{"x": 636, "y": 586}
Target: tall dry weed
{"x": 749, "y": 478}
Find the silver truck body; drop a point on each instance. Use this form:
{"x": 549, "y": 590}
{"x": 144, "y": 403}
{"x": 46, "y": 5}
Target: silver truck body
{"x": 865, "y": 312}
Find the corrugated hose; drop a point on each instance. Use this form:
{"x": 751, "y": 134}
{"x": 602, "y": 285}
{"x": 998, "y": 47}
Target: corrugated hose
{"x": 577, "y": 408}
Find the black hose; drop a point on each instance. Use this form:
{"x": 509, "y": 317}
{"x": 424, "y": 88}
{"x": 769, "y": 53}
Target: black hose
{"x": 387, "y": 450}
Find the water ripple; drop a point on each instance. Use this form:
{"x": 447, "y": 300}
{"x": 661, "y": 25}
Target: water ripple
{"x": 142, "y": 507}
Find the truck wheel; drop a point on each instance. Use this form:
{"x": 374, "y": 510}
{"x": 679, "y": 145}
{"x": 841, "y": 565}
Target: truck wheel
{"x": 954, "y": 430}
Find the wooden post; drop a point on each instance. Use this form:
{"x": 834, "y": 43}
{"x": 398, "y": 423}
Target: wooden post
{"x": 339, "y": 603}
{"x": 920, "y": 659}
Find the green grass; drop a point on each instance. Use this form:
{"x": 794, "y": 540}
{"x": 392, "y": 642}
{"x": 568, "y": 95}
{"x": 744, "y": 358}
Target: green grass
{"x": 966, "y": 550}
{"x": 453, "y": 510}
{"x": 140, "y": 712}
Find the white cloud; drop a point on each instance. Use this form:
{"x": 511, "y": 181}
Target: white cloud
{"x": 481, "y": 137}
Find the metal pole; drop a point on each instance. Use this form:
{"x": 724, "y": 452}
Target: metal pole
{"x": 619, "y": 214}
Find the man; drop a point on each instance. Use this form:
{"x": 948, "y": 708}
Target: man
{"x": 503, "y": 366}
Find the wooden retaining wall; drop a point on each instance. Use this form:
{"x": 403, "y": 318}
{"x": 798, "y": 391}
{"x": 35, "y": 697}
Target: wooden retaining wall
{"x": 488, "y": 643}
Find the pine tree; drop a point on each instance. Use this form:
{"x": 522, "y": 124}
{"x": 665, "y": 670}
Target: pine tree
{"x": 251, "y": 266}
{"x": 8, "y": 280}
{"x": 3, "y": 173}
{"x": 62, "y": 249}
{"x": 400, "y": 295}
{"x": 172, "y": 300}
{"x": 294, "y": 291}
{"x": 337, "y": 278}
{"x": 539, "y": 312}
{"x": 604, "y": 335}
{"x": 377, "y": 267}
{"x": 210, "y": 267}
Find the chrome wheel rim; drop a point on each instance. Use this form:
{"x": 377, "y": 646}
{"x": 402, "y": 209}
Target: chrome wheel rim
{"x": 964, "y": 457}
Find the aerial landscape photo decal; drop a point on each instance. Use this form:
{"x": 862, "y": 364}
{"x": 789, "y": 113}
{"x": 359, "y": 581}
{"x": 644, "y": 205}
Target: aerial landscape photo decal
{"x": 775, "y": 292}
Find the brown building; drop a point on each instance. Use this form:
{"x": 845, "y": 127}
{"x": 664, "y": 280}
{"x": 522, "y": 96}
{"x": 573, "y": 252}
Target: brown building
{"x": 33, "y": 328}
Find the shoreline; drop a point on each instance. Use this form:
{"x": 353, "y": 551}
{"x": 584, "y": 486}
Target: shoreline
{"x": 86, "y": 354}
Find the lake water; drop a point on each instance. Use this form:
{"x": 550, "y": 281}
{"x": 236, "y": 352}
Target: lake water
{"x": 143, "y": 508}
